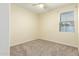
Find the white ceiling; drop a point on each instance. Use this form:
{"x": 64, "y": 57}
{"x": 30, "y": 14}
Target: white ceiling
{"x": 49, "y": 7}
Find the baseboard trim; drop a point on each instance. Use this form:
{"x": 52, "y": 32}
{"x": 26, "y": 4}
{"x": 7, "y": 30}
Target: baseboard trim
{"x": 47, "y": 40}
{"x": 61, "y": 43}
{"x": 21, "y": 43}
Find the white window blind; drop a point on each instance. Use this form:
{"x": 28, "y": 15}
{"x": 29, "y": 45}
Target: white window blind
{"x": 67, "y": 22}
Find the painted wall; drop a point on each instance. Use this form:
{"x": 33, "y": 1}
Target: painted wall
{"x": 24, "y": 25}
{"x": 49, "y": 26}
{"x": 78, "y": 26}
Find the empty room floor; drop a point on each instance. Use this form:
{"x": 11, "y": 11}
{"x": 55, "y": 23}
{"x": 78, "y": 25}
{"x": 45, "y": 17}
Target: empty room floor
{"x": 43, "y": 48}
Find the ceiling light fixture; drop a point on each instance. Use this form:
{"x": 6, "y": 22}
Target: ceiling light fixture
{"x": 39, "y": 5}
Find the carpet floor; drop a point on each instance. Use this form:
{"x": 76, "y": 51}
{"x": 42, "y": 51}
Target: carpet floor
{"x": 43, "y": 48}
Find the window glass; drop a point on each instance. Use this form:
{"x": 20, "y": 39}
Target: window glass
{"x": 67, "y": 22}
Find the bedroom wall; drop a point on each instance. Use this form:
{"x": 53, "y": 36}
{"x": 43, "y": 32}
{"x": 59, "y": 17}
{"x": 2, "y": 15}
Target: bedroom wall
{"x": 78, "y": 26}
{"x": 49, "y": 26}
{"x": 24, "y": 25}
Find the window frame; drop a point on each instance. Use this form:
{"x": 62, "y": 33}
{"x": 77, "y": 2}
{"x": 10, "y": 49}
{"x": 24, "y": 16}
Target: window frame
{"x": 60, "y": 21}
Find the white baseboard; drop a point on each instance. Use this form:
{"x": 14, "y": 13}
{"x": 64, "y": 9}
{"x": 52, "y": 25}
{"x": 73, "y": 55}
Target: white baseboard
{"x": 47, "y": 40}
{"x": 21, "y": 42}
{"x": 63, "y": 43}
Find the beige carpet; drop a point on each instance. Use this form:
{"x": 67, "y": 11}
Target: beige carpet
{"x": 43, "y": 48}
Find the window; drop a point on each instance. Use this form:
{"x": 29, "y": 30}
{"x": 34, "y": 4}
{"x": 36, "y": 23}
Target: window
{"x": 67, "y": 22}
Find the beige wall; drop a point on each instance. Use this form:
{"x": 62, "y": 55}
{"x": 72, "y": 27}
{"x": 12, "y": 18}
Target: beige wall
{"x": 50, "y": 27}
{"x": 78, "y": 26}
{"x": 24, "y": 25}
